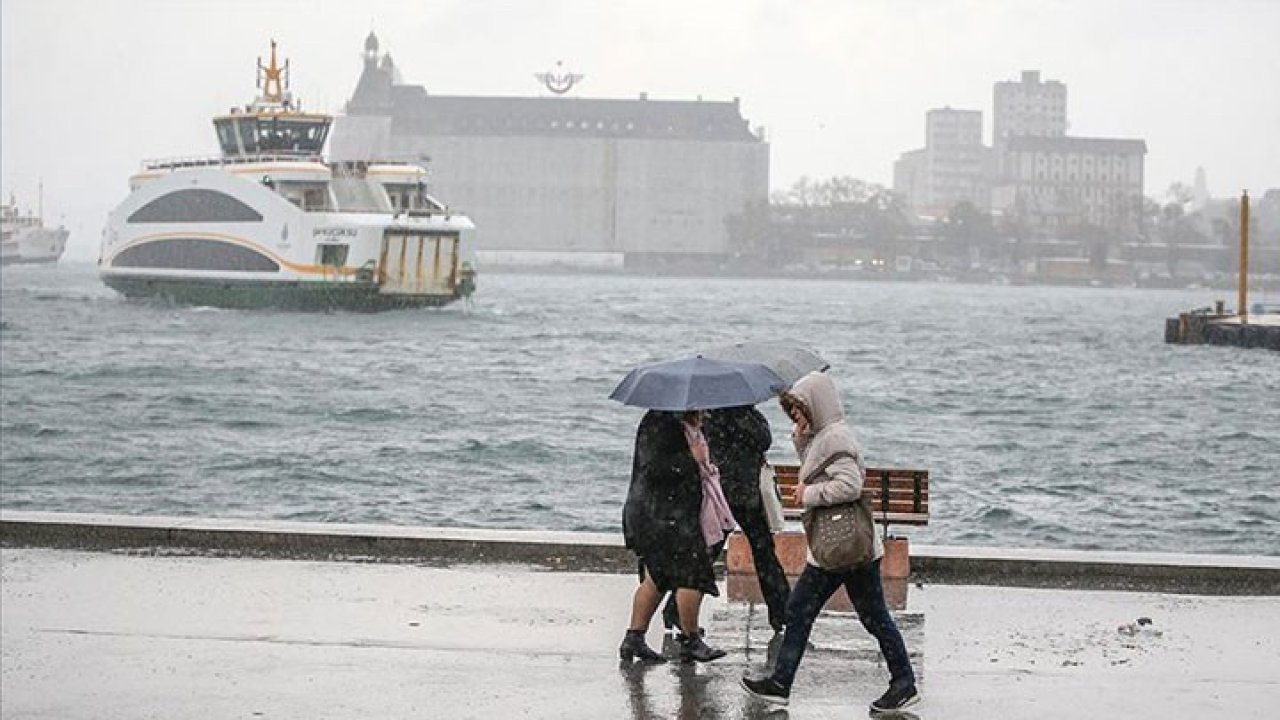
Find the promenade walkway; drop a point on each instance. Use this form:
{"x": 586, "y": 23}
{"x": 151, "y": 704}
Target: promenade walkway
{"x": 171, "y": 634}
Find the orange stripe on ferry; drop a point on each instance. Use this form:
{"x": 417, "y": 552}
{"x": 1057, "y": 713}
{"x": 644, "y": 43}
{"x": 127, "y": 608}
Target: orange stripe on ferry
{"x": 243, "y": 242}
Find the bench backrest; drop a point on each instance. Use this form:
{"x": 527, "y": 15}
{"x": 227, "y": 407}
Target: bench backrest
{"x": 897, "y": 496}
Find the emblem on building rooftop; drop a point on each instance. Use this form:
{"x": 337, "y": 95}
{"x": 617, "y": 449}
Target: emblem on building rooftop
{"x": 559, "y": 80}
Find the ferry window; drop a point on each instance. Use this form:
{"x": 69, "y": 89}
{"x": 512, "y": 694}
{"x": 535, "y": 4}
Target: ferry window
{"x": 333, "y": 255}
{"x": 227, "y": 138}
{"x": 248, "y": 129}
{"x": 271, "y": 136}
{"x": 295, "y": 136}
{"x": 195, "y": 254}
{"x": 314, "y": 199}
{"x": 195, "y": 205}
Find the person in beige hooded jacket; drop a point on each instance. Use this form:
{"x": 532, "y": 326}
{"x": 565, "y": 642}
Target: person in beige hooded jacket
{"x": 832, "y": 473}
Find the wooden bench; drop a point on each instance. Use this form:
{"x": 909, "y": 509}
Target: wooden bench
{"x": 897, "y": 497}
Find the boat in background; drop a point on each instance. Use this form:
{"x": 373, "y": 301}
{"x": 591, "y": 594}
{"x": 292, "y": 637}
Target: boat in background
{"x": 271, "y": 223}
{"x": 24, "y": 238}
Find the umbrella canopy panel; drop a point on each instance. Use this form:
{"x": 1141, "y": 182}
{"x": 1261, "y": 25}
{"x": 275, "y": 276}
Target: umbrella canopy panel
{"x": 697, "y": 383}
{"x": 791, "y": 361}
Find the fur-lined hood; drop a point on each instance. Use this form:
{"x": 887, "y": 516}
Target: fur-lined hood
{"x": 829, "y": 435}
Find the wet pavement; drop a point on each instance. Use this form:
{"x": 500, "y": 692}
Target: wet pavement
{"x": 101, "y": 634}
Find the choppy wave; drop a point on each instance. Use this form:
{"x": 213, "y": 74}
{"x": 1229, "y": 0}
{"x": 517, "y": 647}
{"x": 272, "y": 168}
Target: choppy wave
{"x": 1048, "y": 417}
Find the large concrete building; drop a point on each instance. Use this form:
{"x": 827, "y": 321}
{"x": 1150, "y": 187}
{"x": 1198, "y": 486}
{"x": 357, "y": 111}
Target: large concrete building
{"x": 574, "y": 181}
{"x": 1056, "y": 183}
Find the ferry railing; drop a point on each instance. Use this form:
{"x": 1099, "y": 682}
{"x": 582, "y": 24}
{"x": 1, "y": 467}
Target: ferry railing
{"x": 218, "y": 160}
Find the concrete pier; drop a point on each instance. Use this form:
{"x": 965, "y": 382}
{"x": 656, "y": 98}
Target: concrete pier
{"x": 1206, "y": 327}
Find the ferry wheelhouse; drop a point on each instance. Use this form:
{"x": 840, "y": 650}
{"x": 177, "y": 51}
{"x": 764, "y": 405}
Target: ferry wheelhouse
{"x": 272, "y": 223}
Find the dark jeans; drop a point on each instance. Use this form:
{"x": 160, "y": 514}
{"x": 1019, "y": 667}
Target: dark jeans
{"x": 773, "y": 581}
{"x": 812, "y": 591}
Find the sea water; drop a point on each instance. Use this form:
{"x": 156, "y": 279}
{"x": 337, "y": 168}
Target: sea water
{"x": 1047, "y": 417}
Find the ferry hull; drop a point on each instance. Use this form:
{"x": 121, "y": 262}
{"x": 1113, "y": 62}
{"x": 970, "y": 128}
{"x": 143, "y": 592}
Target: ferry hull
{"x": 20, "y": 260}
{"x": 34, "y": 246}
{"x": 273, "y": 294}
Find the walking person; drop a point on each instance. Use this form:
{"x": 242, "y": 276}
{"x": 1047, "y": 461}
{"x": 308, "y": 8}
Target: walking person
{"x": 832, "y": 473}
{"x": 739, "y": 438}
{"x": 674, "y": 514}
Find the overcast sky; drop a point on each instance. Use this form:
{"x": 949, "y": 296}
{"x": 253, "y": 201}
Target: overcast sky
{"x": 92, "y": 87}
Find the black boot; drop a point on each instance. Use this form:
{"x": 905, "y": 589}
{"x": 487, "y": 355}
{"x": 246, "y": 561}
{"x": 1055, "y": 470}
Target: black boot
{"x": 695, "y": 648}
{"x": 634, "y": 648}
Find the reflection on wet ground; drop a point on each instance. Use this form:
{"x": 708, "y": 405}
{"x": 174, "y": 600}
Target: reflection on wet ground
{"x": 841, "y": 673}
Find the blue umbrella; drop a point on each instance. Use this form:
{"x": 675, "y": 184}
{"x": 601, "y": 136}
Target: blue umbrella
{"x": 697, "y": 383}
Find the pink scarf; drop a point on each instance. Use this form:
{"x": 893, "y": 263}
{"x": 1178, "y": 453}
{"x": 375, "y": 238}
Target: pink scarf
{"x": 715, "y": 517}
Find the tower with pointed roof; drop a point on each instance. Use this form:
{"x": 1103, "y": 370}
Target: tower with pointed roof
{"x": 373, "y": 90}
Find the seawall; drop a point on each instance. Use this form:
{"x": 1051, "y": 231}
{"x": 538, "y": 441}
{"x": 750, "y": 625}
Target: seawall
{"x": 604, "y": 552}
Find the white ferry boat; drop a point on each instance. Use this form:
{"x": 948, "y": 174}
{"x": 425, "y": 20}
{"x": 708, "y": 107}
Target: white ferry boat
{"x": 271, "y": 223}
{"x": 25, "y": 239}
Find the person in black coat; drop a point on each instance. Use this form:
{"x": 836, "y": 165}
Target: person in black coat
{"x": 661, "y": 524}
{"x": 739, "y": 438}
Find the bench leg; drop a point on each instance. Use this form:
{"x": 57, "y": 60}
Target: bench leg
{"x": 896, "y": 562}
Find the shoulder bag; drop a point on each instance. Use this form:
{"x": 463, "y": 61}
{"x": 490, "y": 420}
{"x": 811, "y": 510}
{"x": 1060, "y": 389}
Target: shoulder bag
{"x": 840, "y": 536}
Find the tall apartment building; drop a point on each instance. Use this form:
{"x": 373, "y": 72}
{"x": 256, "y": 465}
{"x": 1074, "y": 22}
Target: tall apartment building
{"x": 953, "y": 166}
{"x": 1028, "y": 107}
